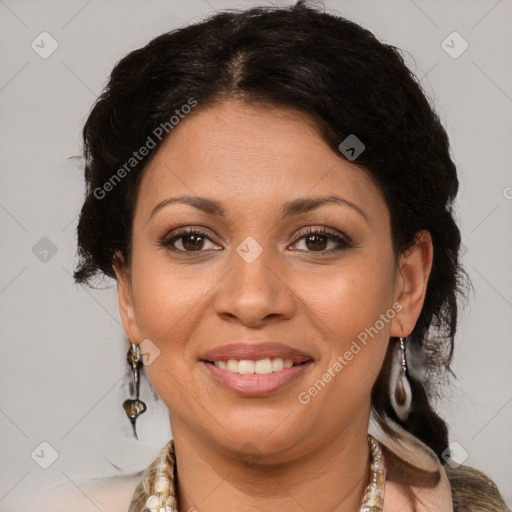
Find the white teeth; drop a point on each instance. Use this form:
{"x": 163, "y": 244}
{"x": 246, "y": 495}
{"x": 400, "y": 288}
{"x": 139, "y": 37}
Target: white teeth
{"x": 248, "y": 367}
{"x": 277, "y": 365}
{"x": 232, "y": 366}
{"x": 263, "y": 366}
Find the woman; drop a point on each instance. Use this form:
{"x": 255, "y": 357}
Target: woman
{"x": 273, "y": 194}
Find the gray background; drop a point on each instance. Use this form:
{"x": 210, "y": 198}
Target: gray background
{"x": 63, "y": 369}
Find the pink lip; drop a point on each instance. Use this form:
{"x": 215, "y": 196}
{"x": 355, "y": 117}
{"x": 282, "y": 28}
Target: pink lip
{"x": 255, "y": 351}
{"x": 257, "y": 385}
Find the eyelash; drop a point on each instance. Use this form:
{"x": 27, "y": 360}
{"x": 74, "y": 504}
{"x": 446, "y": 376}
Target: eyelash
{"x": 167, "y": 242}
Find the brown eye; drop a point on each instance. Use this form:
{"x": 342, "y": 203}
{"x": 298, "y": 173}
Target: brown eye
{"x": 191, "y": 240}
{"x": 317, "y": 240}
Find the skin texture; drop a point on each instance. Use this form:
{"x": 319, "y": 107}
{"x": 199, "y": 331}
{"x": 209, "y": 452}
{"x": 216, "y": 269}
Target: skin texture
{"x": 252, "y": 160}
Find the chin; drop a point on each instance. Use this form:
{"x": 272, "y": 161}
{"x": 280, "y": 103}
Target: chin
{"x": 261, "y": 435}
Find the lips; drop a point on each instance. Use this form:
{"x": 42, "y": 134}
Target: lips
{"x": 250, "y": 384}
{"x": 255, "y": 351}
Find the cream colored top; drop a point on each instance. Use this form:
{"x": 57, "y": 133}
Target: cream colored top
{"x": 112, "y": 494}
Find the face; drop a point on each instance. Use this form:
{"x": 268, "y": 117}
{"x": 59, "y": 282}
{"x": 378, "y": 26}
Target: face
{"x": 268, "y": 260}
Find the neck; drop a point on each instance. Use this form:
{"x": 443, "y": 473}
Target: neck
{"x": 327, "y": 477}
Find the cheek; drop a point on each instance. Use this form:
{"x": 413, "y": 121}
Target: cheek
{"x": 166, "y": 296}
{"x": 356, "y": 309}
{"x": 353, "y": 297}
{"x": 167, "y": 303}
{"x": 350, "y": 308}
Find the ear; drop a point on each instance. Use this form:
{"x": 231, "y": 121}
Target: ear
{"x": 411, "y": 283}
{"x": 125, "y": 298}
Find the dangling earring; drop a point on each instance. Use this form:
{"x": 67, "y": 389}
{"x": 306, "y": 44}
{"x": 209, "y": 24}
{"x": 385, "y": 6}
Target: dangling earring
{"x": 400, "y": 389}
{"x": 134, "y": 408}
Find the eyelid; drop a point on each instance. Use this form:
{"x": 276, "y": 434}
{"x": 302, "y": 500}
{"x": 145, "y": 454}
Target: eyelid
{"x": 343, "y": 241}
{"x": 325, "y": 231}
{"x": 333, "y": 235}
{"x": 180, "y": 232}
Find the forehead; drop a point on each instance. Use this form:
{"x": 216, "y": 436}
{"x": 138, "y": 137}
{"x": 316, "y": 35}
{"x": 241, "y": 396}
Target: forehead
{"x": 251, "y": 155}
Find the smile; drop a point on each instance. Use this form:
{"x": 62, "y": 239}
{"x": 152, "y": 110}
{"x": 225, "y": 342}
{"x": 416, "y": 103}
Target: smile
{"x": 249, "y": 367}
{"x": 242, "y": 379}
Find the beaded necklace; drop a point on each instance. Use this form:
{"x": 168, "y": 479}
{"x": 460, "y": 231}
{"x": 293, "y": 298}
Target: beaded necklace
{"x": 162, "y": 489}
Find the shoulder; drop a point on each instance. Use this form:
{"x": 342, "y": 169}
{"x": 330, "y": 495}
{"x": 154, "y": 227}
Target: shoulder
{"x": 457, "y": 489}
{"x": 113, "y": 494}
{"x": 473, "y": 491}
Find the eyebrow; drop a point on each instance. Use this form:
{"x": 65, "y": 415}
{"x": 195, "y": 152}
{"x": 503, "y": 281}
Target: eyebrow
{"x": 295, "y": 207}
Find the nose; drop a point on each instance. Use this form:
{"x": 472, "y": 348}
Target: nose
{"x": 254, "y": 292}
